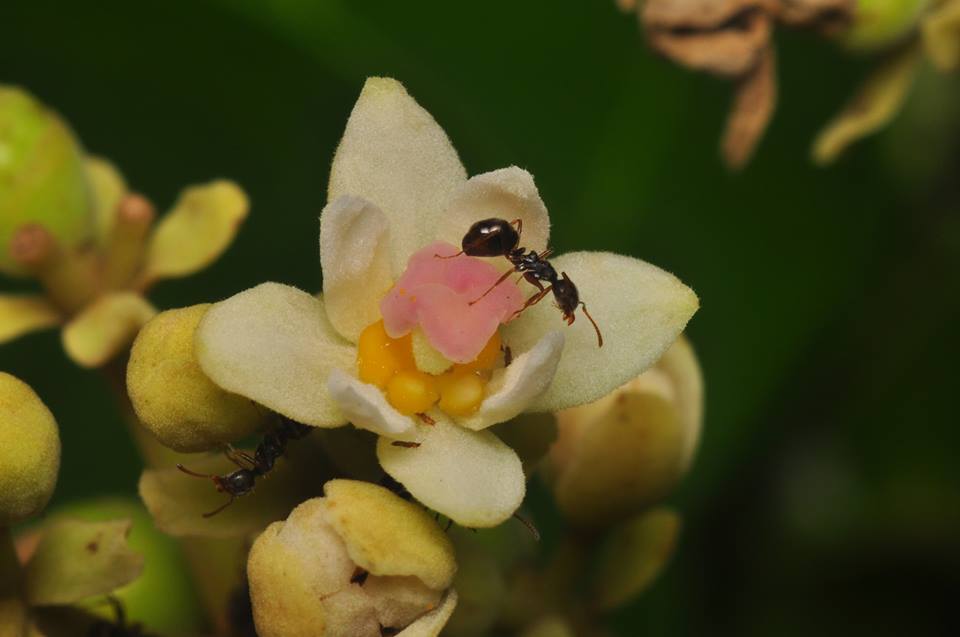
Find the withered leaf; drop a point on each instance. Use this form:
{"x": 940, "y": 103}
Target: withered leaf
{"x": 752, "y": 108}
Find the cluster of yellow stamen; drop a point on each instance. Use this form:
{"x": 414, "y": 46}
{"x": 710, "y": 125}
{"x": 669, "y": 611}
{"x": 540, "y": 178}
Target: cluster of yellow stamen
{"x": 389, "y": 364}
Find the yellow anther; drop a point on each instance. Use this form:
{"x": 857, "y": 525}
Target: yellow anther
{"x": 461, "y": 393}
{"x": 412, "y": 392}
{"x": 379, "y": 357}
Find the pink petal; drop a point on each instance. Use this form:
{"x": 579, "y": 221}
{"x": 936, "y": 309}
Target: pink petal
{"x": 436, "y": 294}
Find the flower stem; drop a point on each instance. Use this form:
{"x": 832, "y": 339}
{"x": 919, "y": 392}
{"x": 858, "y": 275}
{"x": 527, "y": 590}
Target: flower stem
{"x": 13, "y": 608}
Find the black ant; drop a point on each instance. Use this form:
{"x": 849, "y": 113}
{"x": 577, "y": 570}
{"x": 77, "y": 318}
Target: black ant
{"x": 498, "y": 238}
{"x": 242, "y": 481}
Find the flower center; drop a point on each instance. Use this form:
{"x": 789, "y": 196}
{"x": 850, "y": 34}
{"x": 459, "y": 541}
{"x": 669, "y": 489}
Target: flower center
{"x": 438, "y": 341}
{"x": 389, "y": 364}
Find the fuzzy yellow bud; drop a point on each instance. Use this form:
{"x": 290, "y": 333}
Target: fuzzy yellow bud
{"x": 42, "y": 176}
{"x": 29, "y": 452}
{"x": 626, "y": 451}
{"x": 350, "y": 563}
{"x": 172, "y": 396}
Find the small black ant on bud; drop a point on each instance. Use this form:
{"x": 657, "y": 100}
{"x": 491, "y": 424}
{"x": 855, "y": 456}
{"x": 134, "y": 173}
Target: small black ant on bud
{"x": 499, "y": 238}
{"x": 242, "y": 481}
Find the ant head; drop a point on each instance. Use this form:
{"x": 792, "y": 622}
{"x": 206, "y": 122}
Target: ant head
{"x": 490, "y": 238}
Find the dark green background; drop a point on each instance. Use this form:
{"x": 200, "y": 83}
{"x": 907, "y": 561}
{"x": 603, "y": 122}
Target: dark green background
{"x": 825, "y": 496}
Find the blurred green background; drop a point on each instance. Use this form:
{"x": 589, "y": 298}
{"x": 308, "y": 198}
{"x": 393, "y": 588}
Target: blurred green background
{"x": 826, "y": 494}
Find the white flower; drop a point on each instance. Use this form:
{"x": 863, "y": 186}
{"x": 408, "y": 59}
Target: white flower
{"x": 397, "y": 185}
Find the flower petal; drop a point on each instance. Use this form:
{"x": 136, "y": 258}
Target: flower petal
{"x": 200, "y": 227}
{"x": 508, "y": 193}
{"x": 395, "y": 155}
{"x": 433, "y": 622}
{"x": 876, "y": 102}
{"x": 367, "y": 408}
{"x": 77, "y": 560}
{"x": 632, "y": 556}
{"x": 640, "y": 309}
{"x": 681, "y": 365}
{"x": 355, "y": 257}
{"x": 177, "y": 501}
{"x": 387, "y": 535}
{"x": 104, "y": 328}
{"x": 512, "y": 389}
{"x": 24, "y": 313}
{"x": 470, "y": 477}
{"x": 274, "y": 344}
{"x": 109, "y": 188}
{"x": 941, "y": 35}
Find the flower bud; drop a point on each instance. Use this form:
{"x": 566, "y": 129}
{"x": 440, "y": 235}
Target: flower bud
{"x": 29, "y": 452}
{"x": 618, "y": 455}
{"x": 42, "y": 176}
{"x": 878, "y": 24}
{"x": 349, "y": 564}
{"x": 172, "y": 396}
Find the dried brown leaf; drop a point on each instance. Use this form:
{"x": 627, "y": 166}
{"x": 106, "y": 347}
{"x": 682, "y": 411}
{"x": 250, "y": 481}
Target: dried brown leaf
{"x": 752, "y": 108}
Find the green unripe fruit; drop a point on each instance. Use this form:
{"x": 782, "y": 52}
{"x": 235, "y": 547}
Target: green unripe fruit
{"x": 42, "y": 176}
{"x": 29, "y": 452}
{"x": 172, "y": 396}
{"x": 878, "y": 24}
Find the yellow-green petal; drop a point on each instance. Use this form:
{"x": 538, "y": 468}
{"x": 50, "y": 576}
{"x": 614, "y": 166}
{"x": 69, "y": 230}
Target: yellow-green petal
{"x": 109, "y": 187}
{"x": 639, "y": 308}
{"x": 172, "y": 396}
{"x": 876, "y": 103}
{"x": 387, "y": 535}
{"x": 77, "y": 560}
{"x": 395, "y": 155}
{"x": 941, "y": 35}
{"x": 177, "y": 501}
{"x": 24, "y": 313}
{"x": 201, "y": 226}
{"x": 632, "y": 557}
{"x": 29, "y": 452}
{"x": 105, "y": 328}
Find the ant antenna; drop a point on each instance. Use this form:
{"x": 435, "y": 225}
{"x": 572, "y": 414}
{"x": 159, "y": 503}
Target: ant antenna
{"x": 194, "y": 473}
{"x": 583, "y": 306}
{"x": 530, "y": 527}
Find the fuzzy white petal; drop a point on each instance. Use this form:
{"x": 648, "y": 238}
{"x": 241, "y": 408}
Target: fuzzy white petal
{"x": 514, "y": 388}
{"x": 366, "y": 407}
{"x": 469, "y": 476}
{"x": 355, "y": 257}
{"x": 274, "y": 344}
{"x": 640, "y": 309}
{"x": 508, "y": 193}
{"x": 395, "y": 155}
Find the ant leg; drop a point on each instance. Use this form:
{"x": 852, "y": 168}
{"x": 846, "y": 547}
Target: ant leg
{"x": 440, "y": 256}
{"x": 530, "y": 527}
{"x": 533, "y": 300}
{"x": 583, "y": 306}
{"x": 543, "y": 256}
{"x": 194, "y": 473}
{"x": 533, "y": 280}
{"x": 236, "y": 455}
{"x": 506, "y": 275}
{"x": 519, "y": 224}
{"x": 210, "y": 514}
